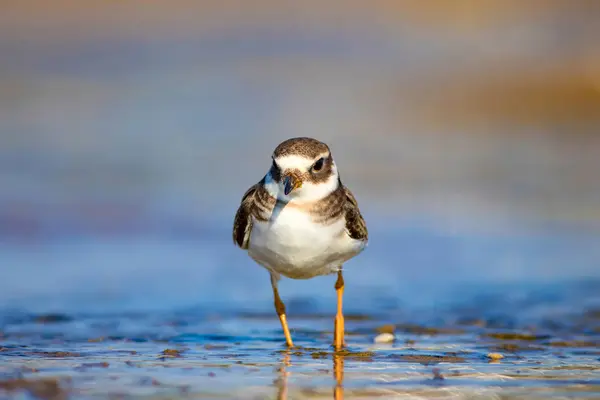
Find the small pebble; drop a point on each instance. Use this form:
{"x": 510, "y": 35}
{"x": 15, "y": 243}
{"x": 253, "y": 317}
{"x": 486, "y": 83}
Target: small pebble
{"x": 495, "y": 356}
{"x": 384, "y": 338}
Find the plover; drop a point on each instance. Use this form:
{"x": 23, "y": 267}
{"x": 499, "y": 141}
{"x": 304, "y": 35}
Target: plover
{"x": 300, "y": 221}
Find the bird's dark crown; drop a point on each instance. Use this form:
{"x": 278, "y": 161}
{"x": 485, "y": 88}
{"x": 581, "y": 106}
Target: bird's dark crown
{"x": 301, "y": 146}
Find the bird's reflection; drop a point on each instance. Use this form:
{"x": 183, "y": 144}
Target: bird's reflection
{"x": 338, "y": 375}
{"x": 281, "y": 382}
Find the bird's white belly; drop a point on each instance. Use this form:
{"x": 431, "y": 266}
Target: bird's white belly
{"x": 291, "y": 244}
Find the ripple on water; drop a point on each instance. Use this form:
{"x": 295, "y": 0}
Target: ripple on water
{"x": 243, "y": 356}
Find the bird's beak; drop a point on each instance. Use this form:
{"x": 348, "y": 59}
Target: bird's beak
{"x": 291, "y": 182}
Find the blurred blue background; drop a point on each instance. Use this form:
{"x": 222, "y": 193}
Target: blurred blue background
{"x": 468, "y": 131}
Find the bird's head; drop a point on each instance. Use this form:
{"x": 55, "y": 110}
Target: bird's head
{"x": 303, "y": 170}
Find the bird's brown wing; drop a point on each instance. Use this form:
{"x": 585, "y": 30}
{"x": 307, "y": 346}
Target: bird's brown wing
{"x": 355, "y": 223}
{"x": 242, "y": 224}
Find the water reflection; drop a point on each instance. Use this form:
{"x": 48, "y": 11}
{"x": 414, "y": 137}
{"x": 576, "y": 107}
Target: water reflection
{"x": 282, "y": 380}
{"x": 338, "y": 374}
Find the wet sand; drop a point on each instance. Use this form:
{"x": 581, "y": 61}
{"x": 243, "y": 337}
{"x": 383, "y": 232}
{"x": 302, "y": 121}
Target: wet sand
{"x": 194, "y": 355}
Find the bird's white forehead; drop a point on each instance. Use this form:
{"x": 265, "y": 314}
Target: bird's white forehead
{"x": 296, "y": 161}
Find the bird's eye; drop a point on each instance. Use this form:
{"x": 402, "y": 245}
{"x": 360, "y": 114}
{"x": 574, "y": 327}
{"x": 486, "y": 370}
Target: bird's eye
{"x": 318, "y": 165}
{"x": 274, "y": 166}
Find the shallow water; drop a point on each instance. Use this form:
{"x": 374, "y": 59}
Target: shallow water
{"x": 177, "y": 317}
{"x": 197, "y": 355}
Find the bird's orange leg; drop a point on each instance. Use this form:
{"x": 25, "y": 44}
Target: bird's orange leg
{"x": 338, "y": 331}
{"x": 280, "y": 309}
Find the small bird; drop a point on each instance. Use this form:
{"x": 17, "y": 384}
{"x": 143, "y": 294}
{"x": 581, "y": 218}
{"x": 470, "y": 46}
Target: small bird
{"x": 300, "y": 221}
